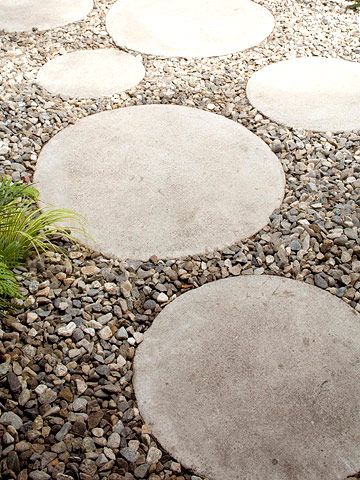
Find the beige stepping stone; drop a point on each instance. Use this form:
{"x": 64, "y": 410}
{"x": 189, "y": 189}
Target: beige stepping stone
{"x": 185, "y": 28}
{"x": 91, "y": 73}
{"x": 161, "y": 180}
{"x": 314, "y": 93}
{"x": 24, "y": 15}
{"x": 254, "y": 377}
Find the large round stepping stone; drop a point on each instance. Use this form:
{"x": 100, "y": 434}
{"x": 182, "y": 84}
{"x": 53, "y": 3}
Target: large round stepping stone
{"x": 91, "y": 73}
{"x": 254, "y": 377}
{"x": 24, "y": 15}
{"x": 161, "y": 180}
{"x": 314, "y": 93}
{"x": 185, "y": 28}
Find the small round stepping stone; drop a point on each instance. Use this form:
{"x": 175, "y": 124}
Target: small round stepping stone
{"x": 24, "y": 15}
{"x": 186, "y": 28}
{"x": 313, "y": 93}
{"x": 161, "y": 180}
{"x": 254, "y": 377}
{"x": 91, "y": 73}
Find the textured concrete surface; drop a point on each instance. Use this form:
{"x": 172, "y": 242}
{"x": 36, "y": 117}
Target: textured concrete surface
{"x": 186, "y": 28}
{"x": 255, "y": 377}
{"x": 160, "y": 179}
{"x": 314, "y": 93}
{"x": 91, "y": 73}
{"x": 24, "y": 15}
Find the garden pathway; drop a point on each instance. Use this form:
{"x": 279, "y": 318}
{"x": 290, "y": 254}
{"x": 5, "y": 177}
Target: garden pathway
{"x": 25, "y": 15}
{"x": 186, "y": 28}
{"x": 316, "y": 93}
{"x": 91, "y": 73}
{"x": 161, "y": 180}
{"x": 254, "y": 377}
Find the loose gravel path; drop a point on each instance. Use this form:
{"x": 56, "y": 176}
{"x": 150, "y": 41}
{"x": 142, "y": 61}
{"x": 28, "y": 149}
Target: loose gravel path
{"x": 66, "y": 370}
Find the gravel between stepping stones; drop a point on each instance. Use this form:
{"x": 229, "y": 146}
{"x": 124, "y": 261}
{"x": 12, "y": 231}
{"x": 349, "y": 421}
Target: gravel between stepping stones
{"x": 188, "y": 29}
{"x": 254, "y": 377}
{"x": 313, "y": 237}
{"x": 162, "y": 180}
{"x": 24, "y": 15}
{"x": 315, "y": 93}
{"x": 91, "y": 73}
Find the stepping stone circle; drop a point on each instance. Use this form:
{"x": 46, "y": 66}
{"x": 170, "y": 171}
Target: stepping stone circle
{"x": 91, "y": 73}
{"x": 314, "y": 93}
{"x": 161, "y": 180}
{"x": 254, "y": 377}
{"x": 186, "y": 28}
{"x": 24, "y": 15}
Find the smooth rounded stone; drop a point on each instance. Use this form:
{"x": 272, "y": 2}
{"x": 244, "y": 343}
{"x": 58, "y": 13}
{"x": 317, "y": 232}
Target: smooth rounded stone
{"x": 24, "y": 15}
{"x": 254, "y": 377}
{"x": 161, "y": 180}
{"x": 10, "y": 418}
{"x": 91, "y": 73}
{"x": 313, "y": 93}
{"x": 183, "y": 28}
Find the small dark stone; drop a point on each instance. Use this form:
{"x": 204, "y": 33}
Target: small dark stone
{"x": 79, "y": 428}
{"x": 129, "y": 454}
{"x": 141, "y": 471}
{"x": 94, "y": 419}
{"x": 13, "y": 381}
{"x": 321, "y": 281}
{"x": 67, "y": 394}
{"x": 13, "y": 462}
{"x": 149, "y": 305}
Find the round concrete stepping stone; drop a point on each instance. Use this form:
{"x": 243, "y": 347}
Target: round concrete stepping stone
{"x": 314, "y": 93}
{"x": 161, "y": 180}
{"x": 185, "y": 28}
{"x": 254, "y": 377}
{"x": 91, "y": 73}
{"x": 24, "y": 15}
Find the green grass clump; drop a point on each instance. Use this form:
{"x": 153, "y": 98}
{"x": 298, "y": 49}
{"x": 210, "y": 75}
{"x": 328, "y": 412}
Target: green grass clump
{"x": 24, "y": 230}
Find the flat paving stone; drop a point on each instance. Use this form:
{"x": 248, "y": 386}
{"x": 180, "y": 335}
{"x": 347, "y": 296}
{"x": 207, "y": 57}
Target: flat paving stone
{"x": 161, "y": 180}
{"x": 24, "y": 15}
{"x": 186, "y": 28}
{"x": 91, "y": 73}
{"x": 254, "y": 377}
{"x": 313, "y": 93}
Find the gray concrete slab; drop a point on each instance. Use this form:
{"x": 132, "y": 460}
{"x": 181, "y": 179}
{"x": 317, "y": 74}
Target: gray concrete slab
{"x": 313, "y": 93}
{"x": 185, "y": 28}
{"x": 24, "y": 15}
{"x": 91, "y": 73}
{"x": 161, "y": 179}
{"x": 254, "y": 377}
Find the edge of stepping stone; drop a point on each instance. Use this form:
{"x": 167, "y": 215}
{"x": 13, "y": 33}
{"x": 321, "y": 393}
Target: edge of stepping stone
{"x": 113, "y": 11}
{"x": 279, "y": 117}
{"x": 180, "y": 250}
{"x": 44, "y": 82}
{"x": 76, "y": 19}
{"x": 163, "y": 322}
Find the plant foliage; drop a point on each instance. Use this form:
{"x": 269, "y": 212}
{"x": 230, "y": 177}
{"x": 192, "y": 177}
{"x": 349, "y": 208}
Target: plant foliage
{"x": 355, "y": 5}
{"x": 24, "y": 229}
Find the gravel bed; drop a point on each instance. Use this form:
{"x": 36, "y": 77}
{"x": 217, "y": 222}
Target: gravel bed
{"x": 67, "y": 406}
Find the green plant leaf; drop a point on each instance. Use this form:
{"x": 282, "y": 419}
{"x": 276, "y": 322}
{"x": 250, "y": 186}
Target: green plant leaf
{"x": 24, "y": 228}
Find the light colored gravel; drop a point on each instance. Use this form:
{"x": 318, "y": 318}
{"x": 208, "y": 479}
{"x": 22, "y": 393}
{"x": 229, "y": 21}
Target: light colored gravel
{"x": 313, "y": 237}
